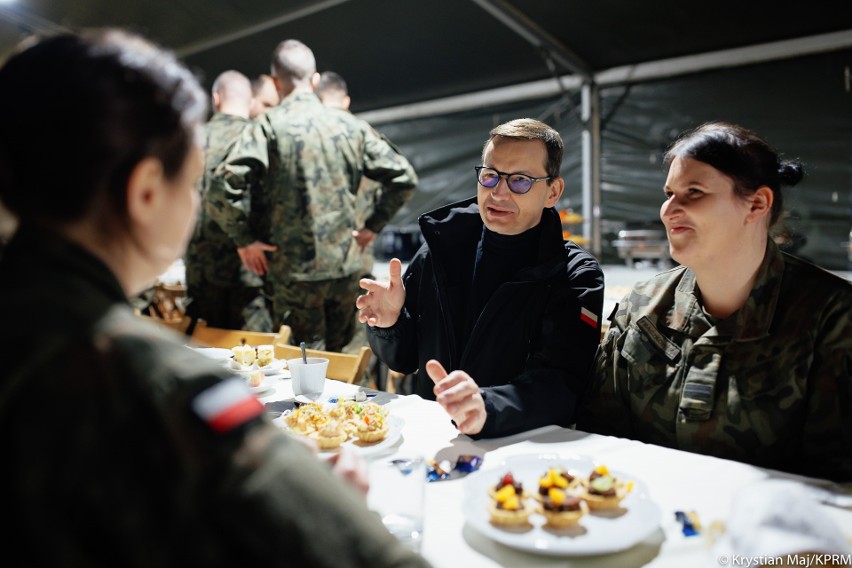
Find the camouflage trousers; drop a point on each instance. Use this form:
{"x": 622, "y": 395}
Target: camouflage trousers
{"x": 321, "y": 313}
{"x": 229, "y": 307}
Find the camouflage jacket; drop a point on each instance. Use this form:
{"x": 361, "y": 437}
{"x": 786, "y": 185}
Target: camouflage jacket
{"x": 292, "y": 181}
{"x": 115, "y": 439}
{"x": 770, "y": 385}
{"x": 211, "y": 256}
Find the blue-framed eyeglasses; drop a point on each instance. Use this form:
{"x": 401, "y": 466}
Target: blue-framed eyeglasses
{"x": 518, "y": 183}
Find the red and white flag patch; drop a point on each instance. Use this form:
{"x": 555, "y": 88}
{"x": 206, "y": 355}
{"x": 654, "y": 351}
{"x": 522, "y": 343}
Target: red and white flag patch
{"x": 226, "y": 405}
{"x": 588, "y": 317}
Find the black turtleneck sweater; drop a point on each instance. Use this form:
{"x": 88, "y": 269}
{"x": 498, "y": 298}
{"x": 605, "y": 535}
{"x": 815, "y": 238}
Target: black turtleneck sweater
{"x": 498, "y": 259}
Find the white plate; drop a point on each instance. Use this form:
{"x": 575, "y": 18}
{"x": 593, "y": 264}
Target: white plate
{"x": 274, "y": 368}
{"x": 264, "y": 384}
{"x": 597, "y": 533}
{"x": 395, "y": 424}
{"x": 215, "y": 353}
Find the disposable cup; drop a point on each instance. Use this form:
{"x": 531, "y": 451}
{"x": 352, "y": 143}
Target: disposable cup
{"x": 308, "y": 378}
{"x": 397, "y": 486}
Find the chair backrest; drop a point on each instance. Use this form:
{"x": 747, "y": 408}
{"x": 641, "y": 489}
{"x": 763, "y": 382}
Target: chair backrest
{"x": 180, "y": 324}
{"x": 345, "y": 367}
{"x": 227, "y": 338}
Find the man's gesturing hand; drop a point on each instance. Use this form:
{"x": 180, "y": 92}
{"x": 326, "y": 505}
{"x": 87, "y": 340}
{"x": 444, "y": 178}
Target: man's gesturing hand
{"x": 381, "y": 305}
{"x": 459, "y": 395}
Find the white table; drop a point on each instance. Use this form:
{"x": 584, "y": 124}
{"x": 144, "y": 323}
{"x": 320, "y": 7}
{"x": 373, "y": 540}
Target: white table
{"x": 676, "y": 481}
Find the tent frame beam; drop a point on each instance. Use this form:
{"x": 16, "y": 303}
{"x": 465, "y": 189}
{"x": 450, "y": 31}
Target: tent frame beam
{"x": 522, "y": 25}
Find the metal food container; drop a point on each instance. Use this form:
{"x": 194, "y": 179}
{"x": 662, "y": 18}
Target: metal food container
{"x": 642, "y": 244}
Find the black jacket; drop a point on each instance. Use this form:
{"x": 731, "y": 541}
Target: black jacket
{"x": 530, "y": 350}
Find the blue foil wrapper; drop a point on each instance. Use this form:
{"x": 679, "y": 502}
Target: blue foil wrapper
{"x": 468, "y": 464}
{"x": 434, "y": 472}
{"x": 688, "y": 526}
{"x": 464, "y": 465}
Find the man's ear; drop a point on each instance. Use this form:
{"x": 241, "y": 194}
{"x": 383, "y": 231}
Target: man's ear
{"x": 315, "y": 79}
{"x": 217, "y": 100}
{"x": 554, "y": 191}
{"x": 144, "y": 191}
{"x": 760, "y": 203}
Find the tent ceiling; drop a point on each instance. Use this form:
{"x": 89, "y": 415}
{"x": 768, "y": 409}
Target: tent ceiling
{"x": 395, "y": 52}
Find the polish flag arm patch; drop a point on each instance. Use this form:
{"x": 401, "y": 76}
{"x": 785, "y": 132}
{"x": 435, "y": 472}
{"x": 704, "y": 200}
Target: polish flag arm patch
{"x": 226, "y": 405}
{"x": 588, "y": 317}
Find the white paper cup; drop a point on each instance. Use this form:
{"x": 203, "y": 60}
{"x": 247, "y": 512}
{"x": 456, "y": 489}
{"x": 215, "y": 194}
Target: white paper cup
{"x": 308, "y": 378}
{"x": 397, "y": 486}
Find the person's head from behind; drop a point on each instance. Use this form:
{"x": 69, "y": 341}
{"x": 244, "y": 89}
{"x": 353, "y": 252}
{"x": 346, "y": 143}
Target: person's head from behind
{"x": 114, "y": 161}
{"x": 332, "y": 90}
{"x": 723, "y": 190}
{"x": 231, "y": 94}
{"x": 264, "y": 95}
{"x": 519, "y": 176}
{"x": 294, "y": 67}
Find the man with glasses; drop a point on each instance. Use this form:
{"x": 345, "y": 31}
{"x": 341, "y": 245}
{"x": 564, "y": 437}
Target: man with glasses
{"x": 495, "y": 296}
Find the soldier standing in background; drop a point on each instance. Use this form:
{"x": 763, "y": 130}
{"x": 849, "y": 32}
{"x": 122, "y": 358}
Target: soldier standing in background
{"x": 221, "y": 290}
{"x": 288, "y": 189}
{"x": 264, "y": 95}
{"x": 333, "y": 92}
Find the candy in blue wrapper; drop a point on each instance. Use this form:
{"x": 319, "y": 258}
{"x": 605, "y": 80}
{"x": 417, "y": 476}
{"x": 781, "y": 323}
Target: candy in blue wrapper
{"x": 434, "y": 472}
{"x": 689, "y": 521}
{"x": 468, "y": 464}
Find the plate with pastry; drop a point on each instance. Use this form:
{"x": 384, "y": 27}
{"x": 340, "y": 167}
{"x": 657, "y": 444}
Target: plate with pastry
{"x": 366, "y": 427}
{"x": 215, "y": 353}
{"x": 273, "y": 367}
{"x": 540, "y": 503}
{"x": 257, "y": 382}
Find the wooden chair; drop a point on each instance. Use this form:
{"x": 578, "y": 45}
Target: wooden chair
{"x": 345, "y": 367}
{"x": 179, "y": 324}
{"x": 227, "y": 338}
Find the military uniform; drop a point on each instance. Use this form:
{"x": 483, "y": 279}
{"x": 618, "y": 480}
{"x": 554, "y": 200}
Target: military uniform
{"x": 769, "y": 385}
{"x": 221, "y": 289}
{"x": 120, "y": 447}
{"x": 292, "y": 181}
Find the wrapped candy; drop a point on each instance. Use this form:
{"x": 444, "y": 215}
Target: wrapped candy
{"x": 464, "y": 465}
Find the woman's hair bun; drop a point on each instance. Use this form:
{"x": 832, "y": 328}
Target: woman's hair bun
{"x": 790, "y": 173}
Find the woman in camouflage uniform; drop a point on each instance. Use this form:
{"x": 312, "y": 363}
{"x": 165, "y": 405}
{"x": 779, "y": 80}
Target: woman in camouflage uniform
{"x": 120, "y": 446}
{"x": 743, "y": 352}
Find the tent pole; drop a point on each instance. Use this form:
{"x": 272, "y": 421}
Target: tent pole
{"x": 591, "y": 150}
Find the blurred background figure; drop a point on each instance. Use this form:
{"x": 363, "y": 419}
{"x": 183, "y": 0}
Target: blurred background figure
{"x": 302, "y": 164}
{"x": 8, "y": 225}
{"x": 152, "y": 454}
{"x": 333, "y": 92}
{"x": 264, "y": 95}
{"x": 220, "y": 289}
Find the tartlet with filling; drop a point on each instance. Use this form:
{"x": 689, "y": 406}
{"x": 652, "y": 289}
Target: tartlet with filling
{"x": 507, "y": 505}
{"x": 603, "y": 490}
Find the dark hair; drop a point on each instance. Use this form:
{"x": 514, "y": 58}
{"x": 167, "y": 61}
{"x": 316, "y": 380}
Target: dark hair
{"x": 81, "y": 111}
{"x": 531, "y": 129}
{"x": 741, "y": 155}
{"x": 329, "y": 80}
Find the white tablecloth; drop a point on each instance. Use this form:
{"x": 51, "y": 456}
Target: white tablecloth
{"x": 677, "y": 481}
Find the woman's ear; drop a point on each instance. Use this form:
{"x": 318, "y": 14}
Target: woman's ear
{"x": 145, "y": 187}
{"x": 760, "y": 203}
{"x": 554, "y": 191}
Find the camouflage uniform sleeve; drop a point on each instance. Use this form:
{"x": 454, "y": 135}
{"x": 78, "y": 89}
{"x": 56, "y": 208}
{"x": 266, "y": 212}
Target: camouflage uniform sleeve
{"x": 235, "y": 180}
{"x": 827, "y": 440}
{"x": 384, "y": 163}
{"x": 605, "y": 409}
